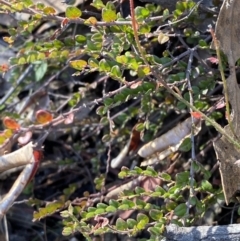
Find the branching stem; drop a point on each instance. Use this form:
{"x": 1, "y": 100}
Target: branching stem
{"x": 176, "y": 95}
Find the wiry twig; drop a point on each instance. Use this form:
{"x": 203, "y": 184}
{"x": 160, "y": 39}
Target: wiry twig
{"x": 18, "y": 82}
{"x": 40, "y": 91}
{"x": 109, "y": 143}
{"x": 60, "y": 119}
{"x": 193, "y": 156}
{"x": 182, "y": 19}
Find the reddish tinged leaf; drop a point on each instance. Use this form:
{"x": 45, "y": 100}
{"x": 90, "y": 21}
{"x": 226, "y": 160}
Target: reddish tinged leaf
{"x": 196, "y": 114}
{"x": 43, "y": 116}
{"x": 54, "y": 36}
{"x": 10, "y": 123}
{"x": 38, "y": 156}
{"x": 47, "y": 53}
{"x": 213, "y": 60}
{"x": 64, "y": 22}
{"x": 135, "y": 85}
{"x": 91, "y": 20}
{"x": 101, "y": 222}
{"x": 220, "y": 104}
{"x": 4, "y": 67}
{"x": 24, "y": 139}
{"x": 69, "y": 119}
{"x": 131, "y": 146}
{"x": 134, "y": 140}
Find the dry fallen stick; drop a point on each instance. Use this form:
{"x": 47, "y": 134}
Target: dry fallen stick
{"x": 20, "y": 157}
{"x": 17, "y": 188}
{"x": 170, "y": 139}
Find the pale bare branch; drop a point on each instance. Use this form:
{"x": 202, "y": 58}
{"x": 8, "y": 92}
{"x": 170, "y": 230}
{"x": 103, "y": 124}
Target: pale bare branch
{"x": 18, "y": 185}
{"x": 17, "y": 158}
{"x": 169, "y": 139}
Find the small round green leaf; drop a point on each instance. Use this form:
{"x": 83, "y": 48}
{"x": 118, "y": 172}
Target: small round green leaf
{"x": 78, "y": 64}
{"x": 104, "y": 120}
{"x": 181, "y": 210}
{"x": 98, "y": 4}
{"x": 73, "y": 12}
{"x": 150, "y": 172}
{"x": 142, "y": 220}
{"x": 111, "y": 209}
{"x": 101, "y": 205}
{"x": 116, "y": 71}
{"x": 140, "y": 127}
{"x": 100, "y": 211}
{"x": 142, "y": 13}
{"x": 123, "y": 207}
{"x": 109, "y": 15}
{"x": 108, "y": 101}
{"x": 131, "y": 223}
{"x": 64, "y": 214}
{"x": 186, "y": 145}
{"x": 93, "y": 63}
{"x": 80, "y": 39}
{"x": 67, "y": 231}
{"x": 49, "y": 10}
{"x": 154, "y": 231}
{"x": 91, "y": 209}
{"x": 182, "y": 178}
{"x": 90, "y": 215}
{"x": 40, "y": 6}
{"x": 101, "y": 110}
{"x": 139, "y": 190}
{"x": 165, "y": 176}
{"x": 206, "y": 185}
{"x": 130, "y": 203}
{"x": 104, "y": 65}
{"x": 121, "y": 224}
{"x": 140, "y": 204}
{"x": 155, "y": 214}
{"x": 114, "y": 203}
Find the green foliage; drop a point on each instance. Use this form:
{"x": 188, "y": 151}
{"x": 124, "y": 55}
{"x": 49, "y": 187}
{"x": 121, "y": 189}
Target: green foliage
{"x": 149, "y": 215}
{"x": 73, "y": 12}
{"x": 108, "y": 47}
